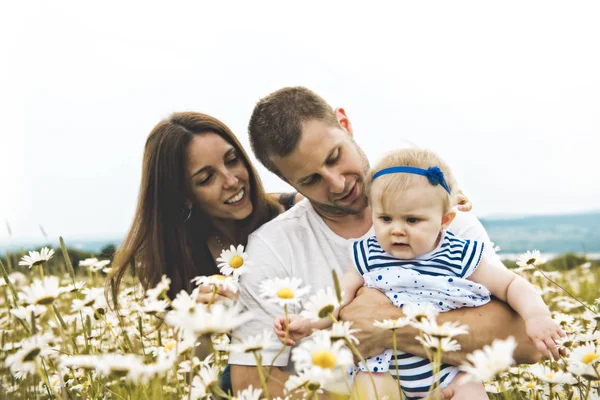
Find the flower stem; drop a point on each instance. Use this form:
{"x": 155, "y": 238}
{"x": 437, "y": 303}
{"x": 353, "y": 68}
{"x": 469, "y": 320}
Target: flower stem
{"x": 362, "y": 359}
{"x": 212, "y": 297}
{"x": 287, "y": 323}
{"x": 261, "y": 374}
{"x": 566, "y": 291}
{"x": 395, "y": 356}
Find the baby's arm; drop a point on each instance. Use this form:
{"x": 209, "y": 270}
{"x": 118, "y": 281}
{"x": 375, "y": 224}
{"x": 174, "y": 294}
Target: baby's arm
{"x": 300, "y": 327}
{"x": 523, "y": 298}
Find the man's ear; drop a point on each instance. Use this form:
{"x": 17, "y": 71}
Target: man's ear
{"x": 448, "y": 218}
{"x": 343, "y": 120}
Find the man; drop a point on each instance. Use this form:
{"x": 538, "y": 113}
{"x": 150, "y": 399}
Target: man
{"x": 298, "y": 136}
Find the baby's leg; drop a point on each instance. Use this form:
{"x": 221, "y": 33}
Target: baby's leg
{"x": 385, "y": 383}
{"x": 468, "y": 390}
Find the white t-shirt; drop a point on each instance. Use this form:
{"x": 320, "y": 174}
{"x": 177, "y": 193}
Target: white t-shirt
{"x": 299, "y": 244}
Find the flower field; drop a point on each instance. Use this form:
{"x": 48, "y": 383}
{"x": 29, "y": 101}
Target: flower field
{"x": 61, "y": 336}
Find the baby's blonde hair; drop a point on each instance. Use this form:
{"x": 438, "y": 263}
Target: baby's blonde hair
{"x": 399, "y": 182}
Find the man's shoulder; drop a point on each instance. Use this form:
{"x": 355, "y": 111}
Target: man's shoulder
{"x": 293, "y": 220}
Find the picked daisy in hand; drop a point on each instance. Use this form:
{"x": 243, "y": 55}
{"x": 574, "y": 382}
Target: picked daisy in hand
{"x": 233, "y": 261}
{"x": 284, "y": 291}
{"x": 531, "y": 259}
{"x": 37, "y": 257}
{"x": 320, "y": 305}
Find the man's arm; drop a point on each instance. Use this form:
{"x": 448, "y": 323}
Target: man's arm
{"x": 243, "y": 376}
{"x": 495, "y": 320}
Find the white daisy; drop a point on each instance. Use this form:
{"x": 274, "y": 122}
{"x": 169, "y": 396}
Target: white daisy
{"x": 447, "y": 329}
{"x": 248, "y": 394}
{"x": 588, "y": 354}
{"x": 260, "y": 342}
{"x": 233, "y": 261}
{"x": 392, "y": 323}
{"x": 17, "y": 279}
{"x": 416, "y": 313}
{"x": 491, "y": 360}
{"x": 220, "y": 281}
{"x": 25, "y": 361}
{"x": 341, "y": 331}
{"x": 318, "y": 352}
{"x": 36, "y": 258}
{"x": 209, "y": 375}
{"x": 198, "y": 388}
{"x": 546, "y": 374}
{"x": 308, "y": 381}
{"x": 94, "y": 264}
{"x": 199, "y": 320}
{"x": 284, "y": 291}
{"x": 25, "y": 312}
{"x": 530, "y": 259}
{"x": 435, "y": 343}
{"x": 160, "y": 289}
{"x": 320, "y": 305}
{"x": 42, "y": 292}
{"x": 154, "y": 307}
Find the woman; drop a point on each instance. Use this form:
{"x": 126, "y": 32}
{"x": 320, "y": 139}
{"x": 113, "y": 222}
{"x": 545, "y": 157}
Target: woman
{"x": 199, "y": 194}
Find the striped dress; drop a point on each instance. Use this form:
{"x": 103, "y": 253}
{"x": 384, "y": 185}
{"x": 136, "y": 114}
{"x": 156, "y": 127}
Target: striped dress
{"x": 437, "y": 278}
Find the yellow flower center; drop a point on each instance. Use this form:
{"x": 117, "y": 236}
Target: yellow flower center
{"x": 218, "y": 277}
{"x": 530, "y": 386}
{"x": 589, "y": 358}
{"x": 236, "y": 262}
{"x": 169, "y": 346}
{"x": 549, "y": 375}
{"x": 531, "y": 261}
{"x": 285, "y": 293}
{"x": 323, "y": 359}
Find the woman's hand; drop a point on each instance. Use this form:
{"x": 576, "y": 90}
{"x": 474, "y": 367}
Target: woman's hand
{"x": 205, "y": 293}
{"x": 461, "y": 201}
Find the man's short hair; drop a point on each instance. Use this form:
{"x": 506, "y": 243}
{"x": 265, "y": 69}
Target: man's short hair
{"x": 276, "y": 123}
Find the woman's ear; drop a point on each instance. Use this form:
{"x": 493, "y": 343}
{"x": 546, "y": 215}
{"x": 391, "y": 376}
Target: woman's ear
{"x": 343, "y": 120}
{"x": 448, "y": 218}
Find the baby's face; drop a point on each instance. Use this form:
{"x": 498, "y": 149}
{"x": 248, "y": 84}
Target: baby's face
{"x": 407, "y": 224}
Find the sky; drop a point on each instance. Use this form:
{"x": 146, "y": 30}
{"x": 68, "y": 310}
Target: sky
{"x": 508, "y": 93}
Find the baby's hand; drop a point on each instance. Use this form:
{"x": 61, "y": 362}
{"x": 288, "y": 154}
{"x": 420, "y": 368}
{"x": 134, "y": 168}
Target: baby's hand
{"x": 545, "y": 333}
{"x": 298, "y": 328}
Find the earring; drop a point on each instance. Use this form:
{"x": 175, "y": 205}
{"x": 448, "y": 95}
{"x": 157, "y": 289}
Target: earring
{"x": 189, "y": 214}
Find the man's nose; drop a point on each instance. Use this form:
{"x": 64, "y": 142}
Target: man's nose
{"x": 335, "y": 181}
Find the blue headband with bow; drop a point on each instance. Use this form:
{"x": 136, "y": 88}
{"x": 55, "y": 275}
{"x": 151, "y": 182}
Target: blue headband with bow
{"x": 434, "y": 175}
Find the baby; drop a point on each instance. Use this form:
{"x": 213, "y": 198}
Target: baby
{"x": 413, "y": 258}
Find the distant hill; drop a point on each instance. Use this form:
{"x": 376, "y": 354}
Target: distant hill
{"x": 578, "y": 233}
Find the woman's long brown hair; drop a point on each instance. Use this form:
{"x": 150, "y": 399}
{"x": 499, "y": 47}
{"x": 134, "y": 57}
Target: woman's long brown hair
{"x": 159, "y": 241}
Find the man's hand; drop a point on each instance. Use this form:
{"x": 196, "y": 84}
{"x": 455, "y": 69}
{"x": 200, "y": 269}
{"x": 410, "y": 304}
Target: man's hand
{"x": 362, "y": 312}
{"x": 461, "y": 201}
